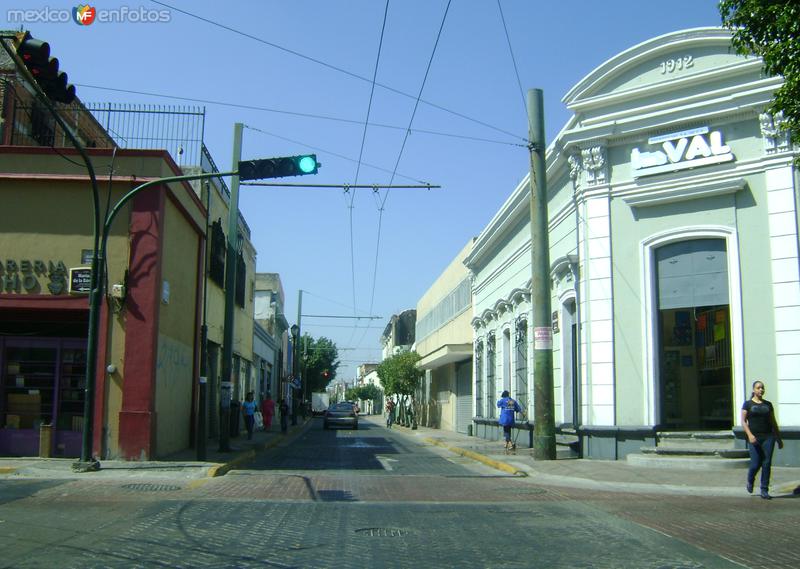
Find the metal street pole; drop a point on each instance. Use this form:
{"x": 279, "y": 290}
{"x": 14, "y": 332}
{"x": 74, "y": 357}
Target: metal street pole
{"x": 296, "y": 358}
{"x": 544, "y": 430}
{"x": 230, "y": 292}
{"x": 202, "y": 384}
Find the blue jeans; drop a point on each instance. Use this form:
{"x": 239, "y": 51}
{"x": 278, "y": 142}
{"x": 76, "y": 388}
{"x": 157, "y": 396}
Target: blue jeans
{"x": 249, "y": 421}
{"x": 507, "y": 432}
{"x": 761, "y": 458}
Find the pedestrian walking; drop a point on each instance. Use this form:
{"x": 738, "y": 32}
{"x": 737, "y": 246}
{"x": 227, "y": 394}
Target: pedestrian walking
{"x": 389, "y": 413}
{"x": 761, "y": 429}
{"x": 283, "y": 409}
{"x": 249, "y": 411}
{"x": 268, "y": 411}
{"x": 508, "y": 407}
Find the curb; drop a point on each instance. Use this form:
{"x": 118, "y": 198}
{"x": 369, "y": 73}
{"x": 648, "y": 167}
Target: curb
{"x": 222, "y": 469}
{"x": 496, "y": 464}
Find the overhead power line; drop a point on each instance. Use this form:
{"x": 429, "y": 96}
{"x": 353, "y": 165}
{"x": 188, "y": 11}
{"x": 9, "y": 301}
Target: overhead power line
{"x": 335, "y": 68}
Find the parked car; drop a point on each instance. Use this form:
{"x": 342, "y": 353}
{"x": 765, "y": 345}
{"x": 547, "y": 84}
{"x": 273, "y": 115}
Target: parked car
{"x": 344, "y": 414}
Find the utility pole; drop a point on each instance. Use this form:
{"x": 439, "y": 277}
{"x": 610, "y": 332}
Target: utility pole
{"x": 230, "y": 294}
{"x": 544, "y": 430}
{"x": 296, "y": 358}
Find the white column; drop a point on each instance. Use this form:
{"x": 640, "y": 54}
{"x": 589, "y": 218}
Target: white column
{"x": 785, "y": 293}
{"x": 600, "y": 357}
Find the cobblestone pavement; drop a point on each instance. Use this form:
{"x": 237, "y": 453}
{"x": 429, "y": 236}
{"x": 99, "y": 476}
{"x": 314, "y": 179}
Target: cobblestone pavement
{"x": 376, "y": 498}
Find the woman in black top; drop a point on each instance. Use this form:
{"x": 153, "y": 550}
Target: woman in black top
{"x": 761, "y": 429}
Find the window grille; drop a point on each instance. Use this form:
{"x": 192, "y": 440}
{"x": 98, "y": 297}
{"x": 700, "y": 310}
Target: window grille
{"x": 490, "y": 376}
{"x": 521, "y": 338}
{"x": 479, "y": 379}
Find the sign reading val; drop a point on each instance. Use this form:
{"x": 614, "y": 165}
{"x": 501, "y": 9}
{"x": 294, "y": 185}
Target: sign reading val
{"x": 680, "y": 150}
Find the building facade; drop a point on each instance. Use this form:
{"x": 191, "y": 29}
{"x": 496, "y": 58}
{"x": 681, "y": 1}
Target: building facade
{"x": 444, "y": 343}
{"x": 673, "y": 219}
{"x": 146, "y": 397}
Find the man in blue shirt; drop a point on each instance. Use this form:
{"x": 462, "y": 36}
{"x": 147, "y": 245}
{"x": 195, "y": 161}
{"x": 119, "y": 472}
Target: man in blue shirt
{"x": 508, "y": 407}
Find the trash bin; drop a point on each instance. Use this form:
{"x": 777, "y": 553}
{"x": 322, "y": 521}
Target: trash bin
{"x": 45, "y": 441}
{"x": 235, "y": 413}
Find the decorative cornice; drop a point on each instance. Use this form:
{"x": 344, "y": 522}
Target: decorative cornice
{"x": 684, "y": 192}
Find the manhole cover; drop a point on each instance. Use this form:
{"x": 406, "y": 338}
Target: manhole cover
{"x": 382, "y": 532}
{"x": 143, "y": 487}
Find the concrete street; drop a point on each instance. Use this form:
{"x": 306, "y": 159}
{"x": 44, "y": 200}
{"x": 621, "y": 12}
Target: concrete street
{"x": 376, "y": 497}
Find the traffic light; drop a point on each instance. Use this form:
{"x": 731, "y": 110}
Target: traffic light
{"x": 281, "y": 167}
{"x": 35, "y": 54}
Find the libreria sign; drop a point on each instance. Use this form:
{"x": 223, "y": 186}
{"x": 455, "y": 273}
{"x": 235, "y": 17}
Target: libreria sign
{"x": 680, "y": 150}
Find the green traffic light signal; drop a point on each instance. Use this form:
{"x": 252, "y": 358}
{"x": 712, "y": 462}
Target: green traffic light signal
{"x": 307, "y": 164}
{"x": 281, "y": 167}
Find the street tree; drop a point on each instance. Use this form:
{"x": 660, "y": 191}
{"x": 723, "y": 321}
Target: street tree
{"x": 399, "y": 375}
{"x": 770, "y": 29}
{"x": 319, "y": 360}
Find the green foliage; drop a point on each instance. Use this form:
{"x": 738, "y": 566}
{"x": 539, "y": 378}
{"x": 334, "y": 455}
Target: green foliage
{"x": 399, "y": 374}
{"x": 319, "y": 360}
{"x": 771, "y": 30}
{"x": 363, "y": 393}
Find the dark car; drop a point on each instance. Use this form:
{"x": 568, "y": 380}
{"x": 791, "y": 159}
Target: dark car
{"x": 343, "y": 414}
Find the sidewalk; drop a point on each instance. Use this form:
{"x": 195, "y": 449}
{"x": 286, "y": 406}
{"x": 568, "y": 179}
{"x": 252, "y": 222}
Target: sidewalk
{"x": 182, "y": 465}
{"x": 607, "y": 475}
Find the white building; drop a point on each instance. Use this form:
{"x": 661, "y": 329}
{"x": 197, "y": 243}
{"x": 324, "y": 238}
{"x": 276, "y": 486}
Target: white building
{"x": 673, "y": 252}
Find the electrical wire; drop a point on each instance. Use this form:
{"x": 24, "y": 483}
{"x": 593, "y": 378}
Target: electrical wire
{"x": 513, "y": 60}
{"x": 334, "y": 68}
{"x": 297, "y": 114}
{"x": 360, "y": 157}
{"x": 397, "y": 162}
{"x": 330, "y": 152}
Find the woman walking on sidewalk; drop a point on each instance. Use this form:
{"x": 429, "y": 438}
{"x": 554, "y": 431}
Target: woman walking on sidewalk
{"x": 268, "y": 411}
{"x": 508, "y": 407}
{"x": 761, "y": 429}
{"x": 249, "y": 412}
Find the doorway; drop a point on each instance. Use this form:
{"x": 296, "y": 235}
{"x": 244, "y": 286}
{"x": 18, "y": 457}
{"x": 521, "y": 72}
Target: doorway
{"x": 570, "y": 378}
{"x": 694, "y": 336}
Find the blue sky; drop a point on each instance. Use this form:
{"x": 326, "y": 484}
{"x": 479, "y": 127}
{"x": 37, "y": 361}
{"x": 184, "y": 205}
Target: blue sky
{"x": 362, "y": 253}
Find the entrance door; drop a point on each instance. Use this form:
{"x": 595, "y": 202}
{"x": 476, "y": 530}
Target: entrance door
{"x": 695, "y": 378}
{"x": 570, "y": 379}
{"x": 463, "y": 396}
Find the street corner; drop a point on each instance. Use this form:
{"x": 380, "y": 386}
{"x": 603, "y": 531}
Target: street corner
{"x": 220, "y": 469}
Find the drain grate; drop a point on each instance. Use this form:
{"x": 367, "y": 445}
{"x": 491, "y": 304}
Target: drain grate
{"x": 144, "y": 487}
{"x": 382, "y": 532}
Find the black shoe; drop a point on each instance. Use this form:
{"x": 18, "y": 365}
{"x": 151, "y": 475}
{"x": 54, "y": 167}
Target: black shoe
{"x": 765, "y": 495}
{"x": 749, "y": 487}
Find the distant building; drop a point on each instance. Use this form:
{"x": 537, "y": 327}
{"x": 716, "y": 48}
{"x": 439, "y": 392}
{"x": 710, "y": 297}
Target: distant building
{"x": 398, "y": 336}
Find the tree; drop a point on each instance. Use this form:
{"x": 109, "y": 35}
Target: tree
{"x": 770, "y": 29}
{"x": 399, "y": 375}
{"x": 318, "y": 361}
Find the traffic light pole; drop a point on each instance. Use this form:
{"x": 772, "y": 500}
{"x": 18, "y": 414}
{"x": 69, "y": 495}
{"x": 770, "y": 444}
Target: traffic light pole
{"x": 230, "y": 292}
{"x": 544, "y": 437}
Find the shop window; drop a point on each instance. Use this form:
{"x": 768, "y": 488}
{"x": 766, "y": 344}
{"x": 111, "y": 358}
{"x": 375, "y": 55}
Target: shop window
{"x": 28, "y": 384}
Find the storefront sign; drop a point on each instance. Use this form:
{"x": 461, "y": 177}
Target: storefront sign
{"x": 80, "y": 280}
{"x": 25, "y": 275}
{"x": 679, "y": 151}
